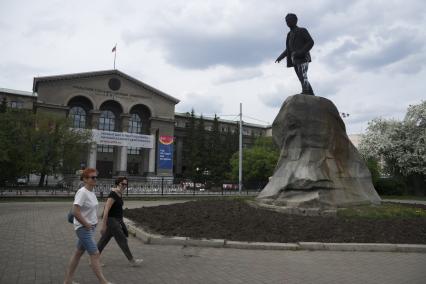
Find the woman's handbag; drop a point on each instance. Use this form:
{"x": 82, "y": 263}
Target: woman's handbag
{"x": 70, "y": 217}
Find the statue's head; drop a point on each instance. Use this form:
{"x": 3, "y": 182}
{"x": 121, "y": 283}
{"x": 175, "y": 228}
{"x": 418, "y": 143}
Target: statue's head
{"x": 291, "y": 20}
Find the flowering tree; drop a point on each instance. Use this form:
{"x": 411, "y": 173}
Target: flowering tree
{"x": 401, "y": 144}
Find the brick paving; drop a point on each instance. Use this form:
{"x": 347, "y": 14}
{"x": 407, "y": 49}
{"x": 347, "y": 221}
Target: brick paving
{"x": 36, "y": 243}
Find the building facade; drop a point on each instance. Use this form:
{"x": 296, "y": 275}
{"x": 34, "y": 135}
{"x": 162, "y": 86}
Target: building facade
{"x": 111, "y": 102}
{"x": 250, "y": 133}
{"x": 18, "y": 99}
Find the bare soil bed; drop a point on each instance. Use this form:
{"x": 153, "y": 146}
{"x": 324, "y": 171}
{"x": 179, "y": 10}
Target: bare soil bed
{"x": 238, "y": 221}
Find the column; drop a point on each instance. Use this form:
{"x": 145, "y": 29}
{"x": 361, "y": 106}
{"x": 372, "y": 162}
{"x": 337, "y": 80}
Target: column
{"x": 121, "y": 158}
{"x": 152, "y": 156}
{"x": 94, "y": 118}
{"x": 125, "y": 122}
{"x": 93, "y": 147}
{"x": 91, "y": 159}
{"x": 122, "y": 161}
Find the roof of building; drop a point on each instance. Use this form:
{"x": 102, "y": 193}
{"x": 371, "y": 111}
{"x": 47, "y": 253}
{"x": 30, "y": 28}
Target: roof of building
{"x": 18, "y": 92}
{"x": 187, "y": 115}
{"x": 37, "y": 80}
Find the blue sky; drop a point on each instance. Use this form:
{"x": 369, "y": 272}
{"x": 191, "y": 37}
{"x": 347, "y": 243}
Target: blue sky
{"x": 369, "y": 57}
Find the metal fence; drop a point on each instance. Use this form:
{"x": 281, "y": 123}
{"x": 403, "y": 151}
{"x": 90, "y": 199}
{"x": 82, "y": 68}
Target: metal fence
{"x": 156, "y": 188}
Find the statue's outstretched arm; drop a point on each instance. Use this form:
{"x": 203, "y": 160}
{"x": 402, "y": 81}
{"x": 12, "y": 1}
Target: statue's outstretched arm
{"x": 281, "y": 57}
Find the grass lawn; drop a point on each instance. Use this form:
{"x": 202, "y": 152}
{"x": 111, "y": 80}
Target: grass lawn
{"x": 404, "y": 197}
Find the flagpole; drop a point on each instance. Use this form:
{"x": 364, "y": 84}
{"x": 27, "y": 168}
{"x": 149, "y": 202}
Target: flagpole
{"x": 115, "y": 54}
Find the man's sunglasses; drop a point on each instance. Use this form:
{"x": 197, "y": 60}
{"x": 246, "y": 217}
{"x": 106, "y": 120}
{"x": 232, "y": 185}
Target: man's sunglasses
{"x": 93, "y": 177}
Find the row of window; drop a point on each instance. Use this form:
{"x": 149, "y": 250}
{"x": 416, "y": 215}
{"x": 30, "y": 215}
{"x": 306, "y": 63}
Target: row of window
{"x": 223, "y": 129}
{"x": 15, "y": 104}
{"x": 180, "y": 123}
{"x": 107, "y": 121}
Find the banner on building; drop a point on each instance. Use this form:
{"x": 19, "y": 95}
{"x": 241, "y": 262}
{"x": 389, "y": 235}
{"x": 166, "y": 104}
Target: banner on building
{"x": 165, "y": 152}
{"x": 104, "y": 137}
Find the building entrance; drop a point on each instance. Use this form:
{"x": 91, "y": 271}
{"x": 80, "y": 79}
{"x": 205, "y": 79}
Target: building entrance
{"x": 133, "y": 168}
{"x": 105, "y": 169}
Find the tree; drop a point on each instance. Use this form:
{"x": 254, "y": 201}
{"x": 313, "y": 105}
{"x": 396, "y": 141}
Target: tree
{"x": 16, "y": 152}
{"x": 200, "y": 153}
{"x": 229, "y": 147}
{"x": 58, "y": 147}
{"x": 215, "y": 154}
{"x": 37, "y": 143}
{"x": 189, "y": 150}
{"x": 401, "y": 144}
{"x": 259, "y": 161}
{"x": 3, "y": 105}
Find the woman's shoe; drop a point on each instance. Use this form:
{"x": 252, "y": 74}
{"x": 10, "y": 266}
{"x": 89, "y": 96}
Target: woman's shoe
{"x": 136, "y": 262}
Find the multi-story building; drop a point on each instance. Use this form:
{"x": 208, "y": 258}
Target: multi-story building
{"x": 18, "y": 99}
{"x": 135, "y": 128}
{"x": 250, "y": 133}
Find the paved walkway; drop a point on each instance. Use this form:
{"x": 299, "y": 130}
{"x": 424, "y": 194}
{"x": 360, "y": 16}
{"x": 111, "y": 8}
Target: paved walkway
{"x": 36, "y": 243}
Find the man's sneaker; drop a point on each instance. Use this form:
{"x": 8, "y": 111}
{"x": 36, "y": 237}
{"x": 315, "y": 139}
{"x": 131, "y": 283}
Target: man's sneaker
{"x": 136, "y": 262}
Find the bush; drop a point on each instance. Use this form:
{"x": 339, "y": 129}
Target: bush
{"x": 390, "y": 186}
{"x": 374, "y": 168}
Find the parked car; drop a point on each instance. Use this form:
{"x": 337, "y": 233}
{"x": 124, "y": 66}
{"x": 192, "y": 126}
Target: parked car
{"x": 230, "y": 186}
{"x": 22, "y": 180}
{"x": 189, "y": 185}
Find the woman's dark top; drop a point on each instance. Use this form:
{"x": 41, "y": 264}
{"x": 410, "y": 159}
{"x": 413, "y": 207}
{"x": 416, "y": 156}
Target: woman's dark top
{"x": 116, "y": 210}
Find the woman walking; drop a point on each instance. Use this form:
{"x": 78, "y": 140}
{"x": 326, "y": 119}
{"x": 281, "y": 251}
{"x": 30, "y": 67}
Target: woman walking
{"x": 112, "y": 222}
{"x": 85, "y": 210}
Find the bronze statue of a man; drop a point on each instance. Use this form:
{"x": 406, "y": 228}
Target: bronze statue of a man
{"x": 298, "y": 44}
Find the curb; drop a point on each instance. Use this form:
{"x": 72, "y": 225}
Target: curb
{"x": 154, "y": 239}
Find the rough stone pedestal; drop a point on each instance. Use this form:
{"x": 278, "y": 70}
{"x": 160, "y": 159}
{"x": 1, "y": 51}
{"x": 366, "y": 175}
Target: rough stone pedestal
{"x": 318, "y": 166}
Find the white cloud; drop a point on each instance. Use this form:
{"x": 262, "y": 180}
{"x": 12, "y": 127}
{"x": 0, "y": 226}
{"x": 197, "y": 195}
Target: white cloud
{"x": 235, "y": 75}
{"x": 368, "y": 58}
{"x": 207, "y": 105}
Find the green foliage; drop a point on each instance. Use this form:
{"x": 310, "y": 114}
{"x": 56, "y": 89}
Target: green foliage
{"x": 374, "y": 168}
{"x": 390, "y": 186}
{"x": 201, "y": 147}
{"x": 405, "y": 197}
{"x": 258, "y": 162}
{"x": 207, "y": 151}
{"x": 217, "y": 163}
{"x": 42, "y": 144}
{"x": 16, "y": 149}
{"x": 3, "y": 105}
{"x": 190, "y": 151}
{"x": 58, "y": 147}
